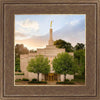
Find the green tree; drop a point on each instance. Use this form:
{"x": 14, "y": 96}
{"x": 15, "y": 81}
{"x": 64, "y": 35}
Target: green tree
{"x": 63, "y": 64}
{"x": 19, "y": 49}
{"x": 79, "y": 46}
{"x": 39, "y": 64}
{"x": 75, "y": 68}
{"x": 17, "y": 64}
{"x": 80, "y": 56}
{"x": 63, "y": 44}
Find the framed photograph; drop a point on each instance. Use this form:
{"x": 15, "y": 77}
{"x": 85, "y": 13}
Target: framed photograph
{"x": 49, "y": 50}
{"x": 54, "y": 57}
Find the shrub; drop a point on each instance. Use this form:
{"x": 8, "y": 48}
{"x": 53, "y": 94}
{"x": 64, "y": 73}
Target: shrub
{"x": 38, "y": 82}
{"x": 70, "y": 82}
{"x": 34, "y": 80}
{"x": 19, "y": 70}
{"x": 25, "y": 79}
{"x": 19, "y": 73}
{"x": 17, "y": 80}
{"x": 59, "y": 82}
{"x": 79, "y": 77}
{"x": 66, "y": 80}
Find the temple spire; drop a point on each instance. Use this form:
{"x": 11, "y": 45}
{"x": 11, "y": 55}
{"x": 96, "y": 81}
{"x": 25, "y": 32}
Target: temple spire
{"x": 51, "y": 24}
{"x": 50, "y": 38}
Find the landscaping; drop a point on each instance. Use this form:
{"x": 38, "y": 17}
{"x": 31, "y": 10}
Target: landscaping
{"x": 19, "y": 73}
{"x": 76, "y": 81}
{"x": 66, "y": 82}
{"x": 37, "y": 82}
{"x": 17, "y": 80}
{"x": 79, "y": 79}
{"x": 26, "y": 81}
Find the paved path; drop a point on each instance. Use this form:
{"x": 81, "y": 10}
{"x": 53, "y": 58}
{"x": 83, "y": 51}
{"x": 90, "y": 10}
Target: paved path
{"x": 51, "y": 82}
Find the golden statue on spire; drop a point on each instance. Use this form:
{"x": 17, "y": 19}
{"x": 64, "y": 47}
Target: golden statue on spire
{"x": 51, "y": 24}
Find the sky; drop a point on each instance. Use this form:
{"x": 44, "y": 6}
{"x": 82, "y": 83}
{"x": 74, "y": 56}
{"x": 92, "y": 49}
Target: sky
{"x": 33, "y": 30}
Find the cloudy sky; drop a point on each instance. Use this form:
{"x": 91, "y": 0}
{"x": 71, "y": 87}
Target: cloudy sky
{"x": 33, "y": 30}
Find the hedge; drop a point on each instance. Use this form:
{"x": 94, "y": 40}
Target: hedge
{"x": 19, "y": 73}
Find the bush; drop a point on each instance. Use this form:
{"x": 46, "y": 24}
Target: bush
{"x": 79, "y": 76}
{"x": 19, "y": 73}
{"x": 19, "y": 70}
{"x": 38, "y": 82}
{"x": 70, "y": 82}
{"x": 59, "y": 82}
{"x": 34, "y": 80}
{"x": 25, "y": 79}
{"x": 17, "y": 80}
{"x": 65, "y": 82}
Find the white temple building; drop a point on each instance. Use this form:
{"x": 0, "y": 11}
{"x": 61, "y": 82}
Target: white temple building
{"x": 50, "y": 52}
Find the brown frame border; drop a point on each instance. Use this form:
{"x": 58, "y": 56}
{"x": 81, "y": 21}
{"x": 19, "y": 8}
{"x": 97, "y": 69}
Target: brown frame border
{"x": 96, "y": 97}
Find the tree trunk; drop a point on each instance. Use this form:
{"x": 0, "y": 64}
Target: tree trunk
{"x": 38, "y": 77}
{"x": 64, "y": 77}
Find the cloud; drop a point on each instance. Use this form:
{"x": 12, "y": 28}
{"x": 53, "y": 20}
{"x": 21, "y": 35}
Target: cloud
{"x": 21, "y": 36}
{"x": 73, "y": 32}
{"x": 29, "y": 24}
{"x": 74, "y": 22}
{"x": 33, "y": 42}
{"x": 18, "y": 34}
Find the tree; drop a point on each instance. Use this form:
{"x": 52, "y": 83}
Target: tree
{"x": 79, "y": 46}
{"x": 80, "y": 56}
{"x": 63, "y": 64}
{"x": 75, "y": 68}
{"x": 17, "y": 64}
{"x": 32, "y": 51}
{"x": 19, "y": 49}
{"x": 63, "y": 44}
{"x": 39, "y": 64}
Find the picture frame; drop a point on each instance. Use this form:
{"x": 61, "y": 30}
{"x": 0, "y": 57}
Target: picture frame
{"x": 90, "y": 91}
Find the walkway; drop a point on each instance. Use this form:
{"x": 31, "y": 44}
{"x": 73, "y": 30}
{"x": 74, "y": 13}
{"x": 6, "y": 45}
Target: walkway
{"x": 51, "y": 82}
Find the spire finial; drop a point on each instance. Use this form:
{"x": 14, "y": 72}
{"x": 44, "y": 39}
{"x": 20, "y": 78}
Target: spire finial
{"x": 51, "y": 24}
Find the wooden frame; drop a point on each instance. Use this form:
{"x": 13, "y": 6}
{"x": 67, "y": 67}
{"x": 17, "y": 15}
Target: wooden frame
{"x": 91, "y": 91}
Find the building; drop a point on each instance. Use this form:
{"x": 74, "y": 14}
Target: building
{"x": 50, "y": 52}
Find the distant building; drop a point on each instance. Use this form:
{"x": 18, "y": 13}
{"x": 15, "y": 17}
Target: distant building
{"x": 50, "y": 52}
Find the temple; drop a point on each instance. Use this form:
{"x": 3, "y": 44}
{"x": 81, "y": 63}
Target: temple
{"x": 50, "y": 52}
